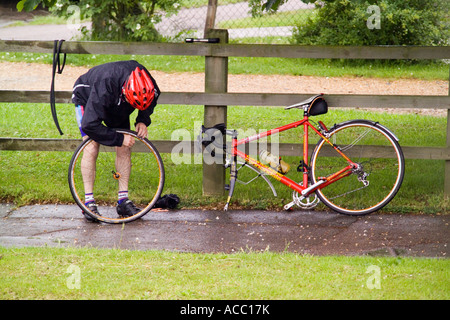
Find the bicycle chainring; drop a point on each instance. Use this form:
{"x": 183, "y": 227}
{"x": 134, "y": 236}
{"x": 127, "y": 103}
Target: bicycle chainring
{"x": 308, "y": 202}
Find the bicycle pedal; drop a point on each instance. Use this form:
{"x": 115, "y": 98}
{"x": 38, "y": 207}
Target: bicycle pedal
{"x": 289, "y": 206}
{"x": 227, "y": 187}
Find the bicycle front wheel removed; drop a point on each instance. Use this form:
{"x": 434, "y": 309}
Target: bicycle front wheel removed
{"x": 138, "y": 169}
{"x": 376, "y": 180}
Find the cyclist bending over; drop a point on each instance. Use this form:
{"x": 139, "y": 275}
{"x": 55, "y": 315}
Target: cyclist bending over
{"x": 104, "y": 98}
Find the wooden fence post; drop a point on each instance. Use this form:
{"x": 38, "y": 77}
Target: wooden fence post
{"x": 447, "y": 162}
{"x": 216, "y": 81}
{"x": 210, "y": 16}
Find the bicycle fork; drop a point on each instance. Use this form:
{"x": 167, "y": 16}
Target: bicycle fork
{"x": 233, "y": 169}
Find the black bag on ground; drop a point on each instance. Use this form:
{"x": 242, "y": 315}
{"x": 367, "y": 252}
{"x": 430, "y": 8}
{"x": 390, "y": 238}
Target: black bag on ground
{"x": 168, "y": 201}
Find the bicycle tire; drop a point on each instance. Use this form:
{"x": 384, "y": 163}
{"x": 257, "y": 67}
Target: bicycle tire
{"x": 145, "y": 184}
{"x": 381, "y": 166}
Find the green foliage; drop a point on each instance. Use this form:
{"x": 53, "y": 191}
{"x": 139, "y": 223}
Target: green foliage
{"x": 400, "y": 22}
{"x": 120, "y": 20}
{"x": 112, "y": 20}
{"x": 30, "y": 5}
{"x": 269, "y": 6}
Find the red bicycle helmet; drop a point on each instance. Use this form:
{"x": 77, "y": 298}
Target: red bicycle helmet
{"x": 139, "y": 89}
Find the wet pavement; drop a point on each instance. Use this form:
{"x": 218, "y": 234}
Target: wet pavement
{"x": 303, "y": 232}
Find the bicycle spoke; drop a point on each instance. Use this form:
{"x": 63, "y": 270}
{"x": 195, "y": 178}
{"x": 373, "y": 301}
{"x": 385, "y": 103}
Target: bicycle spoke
{"x": 359, "y": 138}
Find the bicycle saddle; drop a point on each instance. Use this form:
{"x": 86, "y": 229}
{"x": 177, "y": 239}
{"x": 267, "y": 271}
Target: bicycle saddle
{"x": 303, "y": 103}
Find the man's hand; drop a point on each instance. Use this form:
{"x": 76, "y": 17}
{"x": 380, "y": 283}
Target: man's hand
{"x": 141, "y": 130}
{"x": 128, "y": 141}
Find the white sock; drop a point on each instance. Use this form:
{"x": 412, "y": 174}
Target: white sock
{"x": 88, "y": 198}
{"x": 123, "y": 195}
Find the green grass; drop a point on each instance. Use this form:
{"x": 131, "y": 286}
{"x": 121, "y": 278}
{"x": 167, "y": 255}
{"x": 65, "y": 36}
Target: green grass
{"x": 32, "y": 177}
{"x": 82, "y": 273}
{"x": 40, "y": 20}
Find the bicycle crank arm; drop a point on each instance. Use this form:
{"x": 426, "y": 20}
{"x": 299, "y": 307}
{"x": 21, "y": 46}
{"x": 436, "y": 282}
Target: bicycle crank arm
{"x": 304, "y": 194}
{"x": 311, "y": 188}
{"x": 289, "y": 205}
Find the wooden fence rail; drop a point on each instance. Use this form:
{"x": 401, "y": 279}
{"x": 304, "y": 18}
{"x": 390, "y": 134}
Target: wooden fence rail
{"x": 216, "y": 98}
{"x": 231, "y": 50}
{"x": 254, "y": 99}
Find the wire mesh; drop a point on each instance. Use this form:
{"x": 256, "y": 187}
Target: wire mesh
{"x": 237, "y": 18}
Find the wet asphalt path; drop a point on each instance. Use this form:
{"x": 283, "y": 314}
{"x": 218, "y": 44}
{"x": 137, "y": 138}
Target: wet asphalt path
{"x": 303, "y": 232}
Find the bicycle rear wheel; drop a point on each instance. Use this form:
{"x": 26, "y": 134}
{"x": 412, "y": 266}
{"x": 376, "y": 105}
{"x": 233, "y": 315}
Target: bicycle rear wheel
{"x": 145, "y": 178}
{"x": 380, "y": 171}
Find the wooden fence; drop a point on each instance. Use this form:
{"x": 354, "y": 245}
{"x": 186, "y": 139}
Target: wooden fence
{"x": 216, "y": 98}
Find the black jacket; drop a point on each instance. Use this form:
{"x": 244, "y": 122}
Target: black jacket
{"x": 100, "y": 92}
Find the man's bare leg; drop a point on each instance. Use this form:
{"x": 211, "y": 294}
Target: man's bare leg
{"x": 88, "y": 166}
{"x": 123, "y": 167}
{"x": 125, "y": 207}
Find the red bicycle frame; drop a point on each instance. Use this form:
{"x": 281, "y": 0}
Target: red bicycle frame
{"x": 303, "y": 189}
